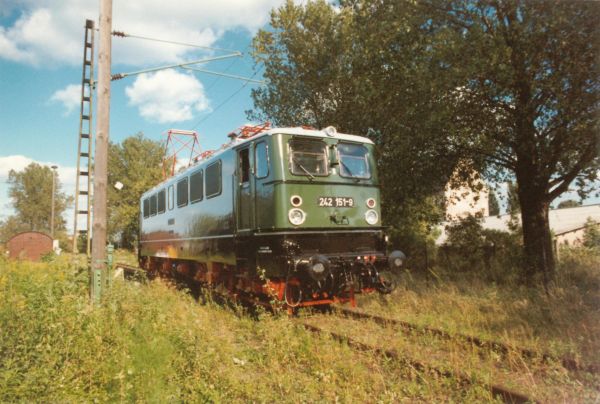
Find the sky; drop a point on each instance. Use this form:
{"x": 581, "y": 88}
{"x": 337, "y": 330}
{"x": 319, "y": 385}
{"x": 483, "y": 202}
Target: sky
{"x": 41, "y": 50}
{"x": 41, "y": 54}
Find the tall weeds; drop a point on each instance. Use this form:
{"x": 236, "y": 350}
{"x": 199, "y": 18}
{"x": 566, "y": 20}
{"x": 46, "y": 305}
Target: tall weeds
{"x": 152, "y": 343}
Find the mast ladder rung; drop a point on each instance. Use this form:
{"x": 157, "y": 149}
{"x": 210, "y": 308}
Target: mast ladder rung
{"x": 83, "y": 184}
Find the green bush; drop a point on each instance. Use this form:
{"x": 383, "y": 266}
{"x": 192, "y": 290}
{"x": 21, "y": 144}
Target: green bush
{"x": 470, "y": 248}
{"x": 48, "y": 257}
{"x": 591, "y": 236}
{"x": 580, "y": 268}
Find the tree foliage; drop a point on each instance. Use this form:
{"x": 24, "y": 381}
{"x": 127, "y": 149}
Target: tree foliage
{"x": 11, "y": 226}
{"x": 569, "y": 203}
{"x": 493, "y": 204}
{"x": 512, "y": 86}
{"x": 30, "y": 192}
{"x": 591, "y": 235}
{"x": 136, "y": 163}
{"x": 512, "y": 196}
{"x": 527, "y": 100}
{"x": 366, "y": 68}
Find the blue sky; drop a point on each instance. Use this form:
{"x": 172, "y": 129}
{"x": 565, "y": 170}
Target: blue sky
{"x": 41, "y": 45}
{"x": 40, "y": 71}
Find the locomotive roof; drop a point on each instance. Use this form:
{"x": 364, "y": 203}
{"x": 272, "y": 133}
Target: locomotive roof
{"x": 273, "y": 131}
{"x": 313, "y": 133}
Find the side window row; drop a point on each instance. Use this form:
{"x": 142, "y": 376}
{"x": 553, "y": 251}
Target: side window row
{"x": 187, "y": 190}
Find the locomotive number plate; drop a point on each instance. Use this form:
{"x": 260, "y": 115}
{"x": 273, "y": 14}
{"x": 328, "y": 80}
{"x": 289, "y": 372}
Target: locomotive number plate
{"x": 336, "y": 202}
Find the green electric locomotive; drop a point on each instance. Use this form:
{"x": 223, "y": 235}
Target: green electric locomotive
{"x": 285, "y": 213}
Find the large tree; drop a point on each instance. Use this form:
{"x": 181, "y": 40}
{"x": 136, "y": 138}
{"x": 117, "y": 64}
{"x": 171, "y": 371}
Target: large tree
{"x": 527, "y": 100}
{"x": 30, "y": 191}
{"x": 11, "y": 226}
{"x": 136, "y": 163}
{"x": 510, "y": 86}
{"x": 366, "y": 68}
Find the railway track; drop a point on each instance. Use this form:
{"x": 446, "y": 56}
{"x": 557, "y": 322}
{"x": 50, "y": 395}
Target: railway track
{"x": 130, "y": 271}
{"x": 496, "y": 346}
{"x": 438, "y": 369}
{"x": 496, "y": 390}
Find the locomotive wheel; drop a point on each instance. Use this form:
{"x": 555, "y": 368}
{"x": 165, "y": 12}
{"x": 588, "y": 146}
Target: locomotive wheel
{"x": 292, "y": 294}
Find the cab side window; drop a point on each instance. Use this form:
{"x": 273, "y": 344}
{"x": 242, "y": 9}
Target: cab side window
{"x": 244, "y": 165}
{"x": 261, "y": 160}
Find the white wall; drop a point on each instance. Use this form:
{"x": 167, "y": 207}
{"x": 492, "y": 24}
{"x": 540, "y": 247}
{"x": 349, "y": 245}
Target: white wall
{"x": 463, "y": 201}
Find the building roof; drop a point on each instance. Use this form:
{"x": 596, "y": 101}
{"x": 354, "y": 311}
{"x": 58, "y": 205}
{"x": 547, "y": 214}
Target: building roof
{"x": 29, "y": 232}
{"x": 561, "y": 220}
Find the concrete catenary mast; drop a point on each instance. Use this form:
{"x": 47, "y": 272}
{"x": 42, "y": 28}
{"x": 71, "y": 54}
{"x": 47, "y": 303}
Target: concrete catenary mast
{"x": 99, "y": 276}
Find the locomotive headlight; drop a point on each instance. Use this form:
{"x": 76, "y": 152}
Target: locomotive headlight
{"x": 371, "y": 217}
{"x": 296, "y": 216}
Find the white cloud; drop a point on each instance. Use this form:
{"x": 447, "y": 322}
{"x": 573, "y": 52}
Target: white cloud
{"x": 46, "y": 33}
{"x": 39, "y": 36}
{"x": 8, "y": 163}
{"x": 167, "y": 96}
{"x": 70, "y": 97}
{"x": 19, "y": 162}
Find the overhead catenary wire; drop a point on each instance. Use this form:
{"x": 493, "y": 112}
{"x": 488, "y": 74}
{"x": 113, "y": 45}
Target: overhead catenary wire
{"x": 122, "y": 34}
{"x": 231, "y": 76}
{"x": 120, "y": 76}
{"x": 216, "y": 80}
{"x": 225, "y": 101}
{"x": 234, "y": 53}
{"x": 233, "y": 62}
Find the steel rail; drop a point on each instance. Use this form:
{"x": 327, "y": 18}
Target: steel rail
{"x": 128, "y": 267}
{"x": 502, "y": 392}
{"x": 496, "y": 346}
{"x": 130, "y": 271}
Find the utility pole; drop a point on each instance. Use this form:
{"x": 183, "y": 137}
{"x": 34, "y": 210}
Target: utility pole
{"x": 99, "y": 267}
{"x": 54, "y": 167}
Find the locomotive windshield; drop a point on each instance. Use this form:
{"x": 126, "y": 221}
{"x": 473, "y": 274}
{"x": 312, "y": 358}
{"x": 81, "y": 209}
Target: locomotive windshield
{"x": 353, "y": 160}
{"x": 308, "y": 157}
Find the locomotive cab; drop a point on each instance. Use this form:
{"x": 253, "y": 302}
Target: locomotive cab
{"x": 308, "y": 215}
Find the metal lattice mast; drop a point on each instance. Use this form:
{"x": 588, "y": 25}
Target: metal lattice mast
{"x": 83, "y": 182}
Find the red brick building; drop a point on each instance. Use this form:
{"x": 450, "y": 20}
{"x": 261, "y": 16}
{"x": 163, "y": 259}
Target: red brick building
{"x": 30, "y": 245}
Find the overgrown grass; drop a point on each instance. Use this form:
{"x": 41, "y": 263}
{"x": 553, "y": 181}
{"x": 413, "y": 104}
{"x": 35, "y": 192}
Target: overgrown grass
{"x": 152, "y": 343}
{"x": 565, "y": 321}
